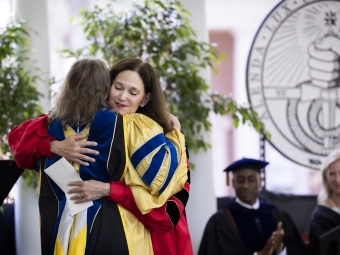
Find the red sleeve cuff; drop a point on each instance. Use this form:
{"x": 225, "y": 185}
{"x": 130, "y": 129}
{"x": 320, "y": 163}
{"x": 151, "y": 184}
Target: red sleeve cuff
{"x": 43, "y": 147}
{"x": 30, "y": 141}
{"x": 117, "y": 192}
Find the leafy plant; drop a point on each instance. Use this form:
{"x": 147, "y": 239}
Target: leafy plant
{"x": 19, "y": 98}
{"x": 157, "y": 31}
{"x": 160, "y": 33}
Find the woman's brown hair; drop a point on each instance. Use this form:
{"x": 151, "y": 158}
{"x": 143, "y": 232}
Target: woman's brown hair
{"x": 157, "y": 108}
{"x": 84, "y": 91}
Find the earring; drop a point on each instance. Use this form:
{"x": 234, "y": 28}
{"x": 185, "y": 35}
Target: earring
{"x": 141, "y": 105}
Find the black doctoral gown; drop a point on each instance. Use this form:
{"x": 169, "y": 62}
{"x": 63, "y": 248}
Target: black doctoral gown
{"x": 237, "y": 230}
{"x": 323, "y": 220}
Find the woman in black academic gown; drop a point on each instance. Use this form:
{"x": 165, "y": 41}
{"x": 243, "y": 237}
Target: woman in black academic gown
{"x": 326, "y": 215}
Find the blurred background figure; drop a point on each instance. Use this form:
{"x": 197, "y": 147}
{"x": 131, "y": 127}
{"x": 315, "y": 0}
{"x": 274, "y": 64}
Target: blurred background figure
{"x": 326, "y": 215}
{"x": 248, "y": 225}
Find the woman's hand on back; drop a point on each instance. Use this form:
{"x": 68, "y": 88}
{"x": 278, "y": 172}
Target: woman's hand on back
{"x": 73, "y": 149}
{"x": 175, "y": 122}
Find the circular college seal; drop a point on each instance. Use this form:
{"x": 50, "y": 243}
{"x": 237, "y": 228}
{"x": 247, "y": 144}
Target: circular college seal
{"x": 293, "y": 78}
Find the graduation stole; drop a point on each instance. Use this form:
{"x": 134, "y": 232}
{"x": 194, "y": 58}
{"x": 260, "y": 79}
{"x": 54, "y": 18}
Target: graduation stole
{"x": 72, "y": 231}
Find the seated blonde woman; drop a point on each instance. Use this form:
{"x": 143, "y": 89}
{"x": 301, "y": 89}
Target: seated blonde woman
{"x": 326, "y": 215}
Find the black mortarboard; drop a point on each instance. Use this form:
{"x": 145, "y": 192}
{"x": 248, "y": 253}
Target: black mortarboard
{"x": 245, "y": 163}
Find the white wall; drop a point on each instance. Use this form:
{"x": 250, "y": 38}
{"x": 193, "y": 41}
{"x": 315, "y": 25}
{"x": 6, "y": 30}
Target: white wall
{"x": 26, "y": 207}
{"x": 35, "y": 14}
{"x": 202, "y": 202}
{"x": 5, "y": 12}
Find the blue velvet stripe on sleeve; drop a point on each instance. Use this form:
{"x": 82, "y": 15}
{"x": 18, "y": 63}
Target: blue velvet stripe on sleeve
{"x": 147, "y": 148}
{"x": 173, "y": 164}
{"x": 154, "y": 167}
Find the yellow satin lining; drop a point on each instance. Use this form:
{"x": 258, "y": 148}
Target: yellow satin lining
{"x": 58, "y": 248}
{"x": 78, "y": 244}
{"x": 69, "y": 132}
{"x": 136, "y": 234}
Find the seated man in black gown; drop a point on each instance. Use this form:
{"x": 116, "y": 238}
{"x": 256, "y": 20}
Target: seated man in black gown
{"x": 247, "y": 225}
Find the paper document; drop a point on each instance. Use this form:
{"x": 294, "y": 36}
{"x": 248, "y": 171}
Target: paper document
{"x": 62, "y": 172}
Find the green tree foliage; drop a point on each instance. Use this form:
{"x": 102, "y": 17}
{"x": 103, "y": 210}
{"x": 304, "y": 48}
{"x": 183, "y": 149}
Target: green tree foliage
{"x": 160, "y": 33}
{"x": 19, "y": 98}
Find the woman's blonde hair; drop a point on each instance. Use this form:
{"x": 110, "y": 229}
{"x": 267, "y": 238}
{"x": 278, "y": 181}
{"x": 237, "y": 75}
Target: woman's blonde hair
{"x": 326, "y": 191}
{"x": 84, "y": 92}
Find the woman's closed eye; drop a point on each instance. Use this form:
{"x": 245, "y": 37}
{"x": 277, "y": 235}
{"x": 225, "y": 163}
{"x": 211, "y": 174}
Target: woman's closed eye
{"x": 134, "y": 92}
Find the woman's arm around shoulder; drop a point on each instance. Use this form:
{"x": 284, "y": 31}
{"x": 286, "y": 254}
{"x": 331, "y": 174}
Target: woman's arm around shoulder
{"x": 29, "y": 141}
